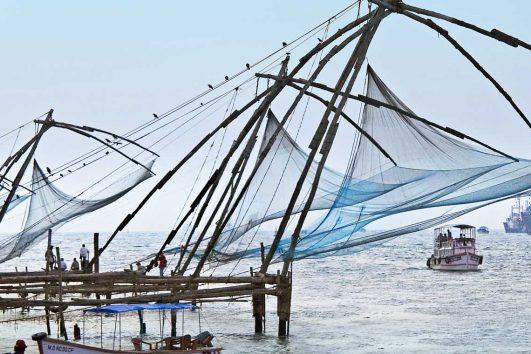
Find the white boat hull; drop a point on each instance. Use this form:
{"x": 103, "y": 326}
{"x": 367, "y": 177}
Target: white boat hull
{"x": 57, "y": 346}
{"x": 457, "y": 262}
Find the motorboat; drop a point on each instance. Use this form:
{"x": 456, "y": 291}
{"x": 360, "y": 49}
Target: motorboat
{"x": 454, "y": 248}
{"x": 483, "y": 230}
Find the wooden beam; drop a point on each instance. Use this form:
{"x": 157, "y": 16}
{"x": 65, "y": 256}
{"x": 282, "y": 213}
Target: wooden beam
{"x": 23, "y": 168}
{"x": 493, "y": 33}
{"x": 377, "y": 103}
{"x": 457, "y": 46}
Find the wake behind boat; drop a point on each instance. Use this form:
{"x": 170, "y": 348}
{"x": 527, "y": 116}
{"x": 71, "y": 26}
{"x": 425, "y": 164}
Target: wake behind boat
{"x": 455, "y": 250}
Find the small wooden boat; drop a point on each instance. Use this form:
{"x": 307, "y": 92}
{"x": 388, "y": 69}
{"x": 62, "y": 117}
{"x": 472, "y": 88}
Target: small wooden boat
{"x": 455, "y": 251}
{"x": 55, "y": 346}
{"x": 200, "y": 344}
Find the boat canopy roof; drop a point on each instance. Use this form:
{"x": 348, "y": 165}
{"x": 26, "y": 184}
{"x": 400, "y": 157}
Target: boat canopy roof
{"x": 457, "y": 226}
{"x": 140, "y": 307}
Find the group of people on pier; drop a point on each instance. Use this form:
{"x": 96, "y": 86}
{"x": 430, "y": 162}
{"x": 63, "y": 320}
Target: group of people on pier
{"x": 53, "y": 263}
{"x": 162, "y": 262}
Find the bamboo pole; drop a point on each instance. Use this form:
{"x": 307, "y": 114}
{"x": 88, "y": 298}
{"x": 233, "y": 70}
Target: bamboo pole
{"x": 231, "y": 186}
{"x": 316, "y": 141}
{"x": 92, "y": 129}
{"x": 377, "y": 103}
{"x": 359, "y": 56}
{"x": 237, "y": 170}
{"x": 222, "y": 223}
{"x": 61, "y": 315}
{"x": 456, "y": 45}
{"x": 168, "y": 297}
{"x": 128, "y": 277}
{"x": 177, "y": 167}
{"x": 47, "y": 286}
{"x": 231, "y": 118}
{"x": 493, "y": 33}
{"x": 23, "y": 168}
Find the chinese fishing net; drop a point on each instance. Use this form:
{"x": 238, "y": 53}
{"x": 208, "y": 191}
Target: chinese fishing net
{"x": 51, "y": 208}
{"x": 434, "y": 169}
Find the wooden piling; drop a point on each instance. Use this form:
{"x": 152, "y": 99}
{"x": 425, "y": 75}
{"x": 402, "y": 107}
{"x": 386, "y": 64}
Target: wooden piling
{"x": 96, "y": 252}
{"x": 173, "y": 323}
{"x": 284, "y": 305}
{"x": 61, "y": 314}
{"x": 47, "y": 287}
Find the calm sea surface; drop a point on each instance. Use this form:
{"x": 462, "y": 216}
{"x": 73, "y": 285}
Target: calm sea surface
{"x": 383, "y": 300}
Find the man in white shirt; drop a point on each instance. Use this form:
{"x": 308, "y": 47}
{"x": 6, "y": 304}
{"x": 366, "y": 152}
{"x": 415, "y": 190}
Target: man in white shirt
{"x": 83, "y": 256}
{"x": 63, "y": 264}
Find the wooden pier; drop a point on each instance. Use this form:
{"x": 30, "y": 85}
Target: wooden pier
{"x": 55, "y": 289}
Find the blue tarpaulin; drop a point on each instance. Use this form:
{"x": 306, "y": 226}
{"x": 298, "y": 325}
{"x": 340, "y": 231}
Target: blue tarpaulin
{"x": 128, "y": 308}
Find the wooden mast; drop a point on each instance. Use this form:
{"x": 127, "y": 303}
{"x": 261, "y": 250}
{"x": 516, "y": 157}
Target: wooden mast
{"x": 336, "y": 49}
{"x": 235, "y": 114}
{"x": 24, "y": 166}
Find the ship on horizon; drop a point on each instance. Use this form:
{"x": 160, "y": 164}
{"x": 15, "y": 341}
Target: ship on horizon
{"x": 519, "y": 220}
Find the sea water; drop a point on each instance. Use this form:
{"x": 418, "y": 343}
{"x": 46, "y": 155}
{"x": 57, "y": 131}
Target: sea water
{"x": 383, "y": 300}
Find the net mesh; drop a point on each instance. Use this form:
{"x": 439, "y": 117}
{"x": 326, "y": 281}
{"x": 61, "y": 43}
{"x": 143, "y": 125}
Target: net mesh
{"x": 434, "y": 169}
{"x": 51, "y": 208}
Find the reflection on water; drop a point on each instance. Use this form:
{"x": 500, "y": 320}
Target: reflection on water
{"x": 383, "y": 300}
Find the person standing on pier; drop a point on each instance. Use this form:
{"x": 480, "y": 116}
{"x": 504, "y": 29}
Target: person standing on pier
{"x": 49, "y": 257}
{"x": 162, "y": 263}
{"x": 83, "y": 256}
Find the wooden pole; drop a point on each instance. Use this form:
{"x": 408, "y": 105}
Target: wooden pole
{"x": 231, "y": 185}
{"x": 177, "y": 167}
{"x": 61, "y": 314}
{"x": 494, "y": 33}
{"x": 47, "y": 286}
{"x": 377, "y": 103}
{"x": 96, "y": 252}
{"x": 453, "y": 42}
{"x": 314, "y": 145}
{"x": 174, "y": 323}
{"x": 235, "y": 114}
{"x": 20, "y": 174}
{"x": 359, "y": 56}
{"x": 336, "y": 49}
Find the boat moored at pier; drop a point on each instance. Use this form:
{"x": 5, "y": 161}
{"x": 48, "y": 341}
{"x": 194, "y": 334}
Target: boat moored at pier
{"x": 455, "y": 250}
{"x": 200, "y": 344}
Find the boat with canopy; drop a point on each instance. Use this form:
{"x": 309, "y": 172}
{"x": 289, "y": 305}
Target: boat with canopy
{"x": 199, "y": 344}
{"x": 455, "y": 250}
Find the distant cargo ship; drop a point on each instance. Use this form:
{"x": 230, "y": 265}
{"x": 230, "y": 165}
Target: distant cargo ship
{"x": 519, "y": 221}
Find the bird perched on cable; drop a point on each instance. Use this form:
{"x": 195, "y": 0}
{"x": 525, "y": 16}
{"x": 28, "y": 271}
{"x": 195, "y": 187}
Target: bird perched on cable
{"x": 202, "y": 103}
{"x": 156, "y": 116}
{"x": 84, "y": 164}
{"x": 210, "y": 86}
{"x": 248, "y": 66}
{"x": 107, "y": 140}
{"x": 284, "y": 44}
{"x": 60, "y": 174}
{"x": 69, "y": 171}
{"x": 320, "y": 40}
{"x": 106, "y": 153}
{"x": 226, "y": 77}
{"x": 48, "y": 169}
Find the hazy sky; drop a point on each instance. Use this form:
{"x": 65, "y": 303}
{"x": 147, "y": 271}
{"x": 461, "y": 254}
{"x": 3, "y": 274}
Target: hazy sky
{"x": 111, "y": 64}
